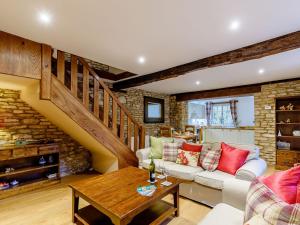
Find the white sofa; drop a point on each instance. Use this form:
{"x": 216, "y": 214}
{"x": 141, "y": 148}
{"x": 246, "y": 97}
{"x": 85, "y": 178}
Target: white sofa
{"x": 203, "y": 186}
{"x": 231, "y": 210}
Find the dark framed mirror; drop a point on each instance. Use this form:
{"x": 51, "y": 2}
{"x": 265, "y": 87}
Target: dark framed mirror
{"x": 154, "y": 110}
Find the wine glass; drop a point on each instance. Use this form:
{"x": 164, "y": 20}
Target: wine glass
{"x": 166, "y": 174}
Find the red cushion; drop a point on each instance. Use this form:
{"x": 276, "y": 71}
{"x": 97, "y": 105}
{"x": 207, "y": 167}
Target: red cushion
{"x": 298, "y": 194}
{"x": 191, "y": 147}
{"x": 231, "y": 158}
{"x": 284, "y": 184}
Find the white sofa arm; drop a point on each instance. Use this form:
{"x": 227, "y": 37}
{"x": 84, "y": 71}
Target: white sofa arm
{"x": 251, "y": 170}
{"x": 143, "y": 154}
{"x": 235, "y": 192}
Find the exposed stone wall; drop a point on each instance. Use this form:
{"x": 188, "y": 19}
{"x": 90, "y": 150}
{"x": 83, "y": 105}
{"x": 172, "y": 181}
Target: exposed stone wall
{"x": 19, "y": 120}
{"x": 265, "y": 119}
{"x": 135, "y": 105}
{"x": 178, "y": 113}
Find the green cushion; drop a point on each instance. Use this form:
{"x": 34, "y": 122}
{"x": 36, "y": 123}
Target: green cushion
{"x": 157, "y": 146}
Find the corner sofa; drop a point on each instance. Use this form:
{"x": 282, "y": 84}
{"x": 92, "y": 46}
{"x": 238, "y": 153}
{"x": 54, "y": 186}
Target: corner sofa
{"x": 231, "y": 210}
{"x": 204, "y": 186}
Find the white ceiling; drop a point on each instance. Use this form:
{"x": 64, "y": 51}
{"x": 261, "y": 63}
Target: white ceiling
{"x": 167, "y": 33}
{"x": 277, "y": 67}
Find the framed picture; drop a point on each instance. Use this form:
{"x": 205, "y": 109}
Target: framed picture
{"x": 154, "y": 110}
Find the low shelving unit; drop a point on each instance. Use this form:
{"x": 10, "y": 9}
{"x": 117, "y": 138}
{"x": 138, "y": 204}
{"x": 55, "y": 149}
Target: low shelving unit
{"x": 22, "y": 163}
{"x": 287, "y": 121}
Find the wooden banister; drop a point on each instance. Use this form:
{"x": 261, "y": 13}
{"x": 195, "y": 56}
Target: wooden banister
{"x": 82, "y": 92}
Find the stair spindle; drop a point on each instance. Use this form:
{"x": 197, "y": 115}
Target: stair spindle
{"x": 96, "y": 98}
{"x": 122, "y": 125}
{"x": 114, "y": 117}
{"x": 129, "y": 132}
{"x": 105, "y": 108}
{"x": 61, "y": 66}
{"x": 74, "y": 78}
{"x": 85, "y": 87}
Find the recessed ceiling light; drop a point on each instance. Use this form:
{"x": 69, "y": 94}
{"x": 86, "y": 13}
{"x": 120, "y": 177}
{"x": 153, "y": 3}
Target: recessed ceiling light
{"x": 141, "y": 60}
{"x": 198, "y": 82}
{"x": 261, "y": 71}
{"x": 44, "y": 17}
{"x": 234, "y": 25}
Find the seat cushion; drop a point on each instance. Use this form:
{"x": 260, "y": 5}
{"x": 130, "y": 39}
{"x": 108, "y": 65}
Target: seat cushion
{"x": 213, "y": 179}
{"x": 182, "y": 171}
{"x": 223, "y": 214}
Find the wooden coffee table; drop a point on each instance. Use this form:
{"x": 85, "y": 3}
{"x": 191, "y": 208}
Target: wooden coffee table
{"x": 113, "y": 199}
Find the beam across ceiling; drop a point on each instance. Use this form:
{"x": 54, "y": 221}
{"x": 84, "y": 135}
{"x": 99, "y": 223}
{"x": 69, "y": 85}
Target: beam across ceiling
{"x": 266, "y": 48}
{"x": 227, "y": 92}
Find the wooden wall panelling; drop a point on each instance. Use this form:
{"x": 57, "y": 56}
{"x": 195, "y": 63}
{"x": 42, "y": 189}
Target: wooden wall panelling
{"x": 20, "y": 57}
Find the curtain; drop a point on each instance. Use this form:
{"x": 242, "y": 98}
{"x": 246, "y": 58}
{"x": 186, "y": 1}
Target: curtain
{"x": 233, "y": 112}
{"x": 208, "y": 109}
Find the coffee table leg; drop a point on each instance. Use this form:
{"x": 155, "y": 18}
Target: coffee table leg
{"x": 75, "y": 203}
{"x": 176, "y": 201}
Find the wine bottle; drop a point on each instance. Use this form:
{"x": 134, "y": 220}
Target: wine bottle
{"x": 152, "y": 171}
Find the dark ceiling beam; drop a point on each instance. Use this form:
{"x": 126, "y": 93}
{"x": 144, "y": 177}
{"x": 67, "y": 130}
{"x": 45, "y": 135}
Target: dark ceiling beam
{"x": 101, "y": 73}
{"x": 227, "y": 92}
{"x": 266, "y": 48}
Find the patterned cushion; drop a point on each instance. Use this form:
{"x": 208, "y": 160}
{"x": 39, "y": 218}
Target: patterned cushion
{"x": 211, "y": 160}
{"x": 257, "y": 220}
{"x": 187, "y": 158}
{"x": 206, "y": 148}
{"x": 262, "y": 201}
{"x": 170, "y": 151}
{"x": 210, "y": 156}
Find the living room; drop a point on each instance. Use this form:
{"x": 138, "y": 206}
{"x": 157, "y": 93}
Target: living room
{"x": 175, "y": 112}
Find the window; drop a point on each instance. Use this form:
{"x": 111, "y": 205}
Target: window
{"x": 196, "y": 113}
{"x": 221, "y": 115}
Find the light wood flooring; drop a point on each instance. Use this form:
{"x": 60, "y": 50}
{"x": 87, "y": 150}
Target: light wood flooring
{"x": 52, "y": 206}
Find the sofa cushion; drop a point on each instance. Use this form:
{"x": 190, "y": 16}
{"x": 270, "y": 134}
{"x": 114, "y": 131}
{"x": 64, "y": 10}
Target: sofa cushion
{"x": 253, "y": 150}
{"x": 223, "y": 214}
{"x": 212, "y": 179}
{"x": 284, "y": 184}
{"x": 206, "y": 148}
{"x": 170, "y": 151}
{"x": 210, "y": 161}
{"x": 157, "y": 146}
{"x": 262, "y": 201}
{"x": 182, "y": 172}
{"x": 231, "y": 158}
{"x": 187, "y": 158}
{"x": 191, "y": 147}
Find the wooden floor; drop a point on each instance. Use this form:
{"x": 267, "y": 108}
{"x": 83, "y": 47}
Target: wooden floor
{"x": 52, "y": 206}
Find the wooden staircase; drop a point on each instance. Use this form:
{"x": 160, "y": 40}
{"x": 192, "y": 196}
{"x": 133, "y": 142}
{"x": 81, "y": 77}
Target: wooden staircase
{"x": 86, "y": 99}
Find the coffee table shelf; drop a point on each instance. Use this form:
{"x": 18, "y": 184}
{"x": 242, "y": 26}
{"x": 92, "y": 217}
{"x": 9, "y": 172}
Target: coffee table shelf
{"x": 154, "y": 215}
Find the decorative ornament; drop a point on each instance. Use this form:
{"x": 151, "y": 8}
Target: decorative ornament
{"x": 282, "y": 107}
{"x": 279, "y": 134}
{"x": 290, "y": 107}
{"x": 288, "y": 120}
